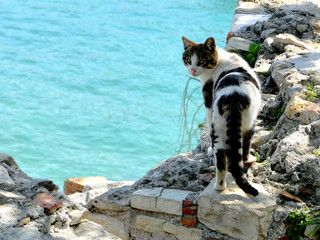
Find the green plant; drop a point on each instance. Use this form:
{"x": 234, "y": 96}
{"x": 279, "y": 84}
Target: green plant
{"x": 250, "y": 56}
{"x": 278, "y": 113}
{"x": 297, "y": 221}
{"x": 311, "y": 93}
{"x": 316, "y": 152}
{"x": 312, "y": 72}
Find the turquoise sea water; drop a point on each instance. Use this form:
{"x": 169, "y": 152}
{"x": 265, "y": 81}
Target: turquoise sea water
{"x": 92, "y": 88}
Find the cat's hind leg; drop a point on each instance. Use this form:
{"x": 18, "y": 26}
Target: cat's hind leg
{"x": 246, "y": 157}
{"x": 221, "y": 169}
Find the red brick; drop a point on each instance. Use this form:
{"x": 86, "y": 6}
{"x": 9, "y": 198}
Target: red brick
{"x": 188, "y": 211}
{"x": 211, "y": 239}
{"x": 187, "y": 203}
{"x": 48, "y": 202}
{"x": 284, "y": 238}
{"x": 188, "y": 222}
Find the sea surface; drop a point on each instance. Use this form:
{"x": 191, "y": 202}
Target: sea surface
{"x": 94, "y": 87}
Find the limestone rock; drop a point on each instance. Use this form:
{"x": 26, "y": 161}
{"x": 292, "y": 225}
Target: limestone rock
{"x": 287, "y": 39}
{"x": 116, "y": 225}
{"x": 91, "y": 230}
{"x": 238, "y": 44}
{"x": 21, "y": 233}
{"x": 303, "y": 111}
{"x": 5, "y": 179}
{"x": 10, "y": 214}
{"x": 236, "y": 214}
{"x": 155, "y": 225}
{"x": 159, "y": 200}
{"x": 307, "y": 62}
{"x": 10, "y": 195}
{"x": 77, "y": 215}
{"x": 72, "y": 185}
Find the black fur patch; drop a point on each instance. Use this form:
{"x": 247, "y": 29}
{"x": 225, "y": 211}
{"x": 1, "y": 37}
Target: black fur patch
{"x": 231, "y": 80}
{"x": 244, "y": 76}
{"x": 221, "y": 160}
{"x": 233, "y": 102}
{"x": 247, "y": 143}
{"x": 207, "y": 93}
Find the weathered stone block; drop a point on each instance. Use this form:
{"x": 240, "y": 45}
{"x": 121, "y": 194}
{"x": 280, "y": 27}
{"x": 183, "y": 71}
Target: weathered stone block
{"x": 155, "y": 225}
{"x": 235, "y": 213}
{"x": 170, "y": 201}
{"x": 146, "y": 199}
{"x": 72, "y": 185}
{"x": 114, "y": 225}
{"x": 91, "y": 230}
{"x": 159, "y": 200}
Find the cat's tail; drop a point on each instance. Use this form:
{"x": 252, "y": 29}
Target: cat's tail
{"x": 234, "y": 142}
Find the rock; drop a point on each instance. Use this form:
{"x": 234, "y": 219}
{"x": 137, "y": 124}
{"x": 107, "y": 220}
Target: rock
{"x": 285, "y": 38}
{"x": 4, "y": 195}
{"x": 234, "y": 213}
{"x": 243, "y": 20}
{"x": 155, "y": 225}
{"x": 302, "y": 28}
{"x": 267, "y": 33}
{"x": 116, "y": 200}
{"x": 21, "y": 233}
{"x": 48, "y": 202}
{"x": 34, "y": 211}
{"x": 308, "y": 231}
{"x": 238, "y": 44}
{"x": 7, "y": 159}
{"x": 23, "y": 222}
{"x": 5, "y": 180}
{"x": 159, "y": 200}
{"x": 303, "y": 111}
{"x": 267, "y": 43}
{"x": 10, "y": 214}
{"x": 72, "y": 185}
{"x": 307, "y": 62}
{"x": 116, "y": 225}
{"x": 46, "y": 183}
{"x": 91, "y": 230}
{"x": 77, "y": 215}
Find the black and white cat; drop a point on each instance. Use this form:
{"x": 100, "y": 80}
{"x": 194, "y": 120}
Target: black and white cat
{"x": 231, "y": 92}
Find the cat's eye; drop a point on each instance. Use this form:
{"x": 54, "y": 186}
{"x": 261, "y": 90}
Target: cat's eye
{"x": 188, "y": 60}
{"x": 201, "y": 62}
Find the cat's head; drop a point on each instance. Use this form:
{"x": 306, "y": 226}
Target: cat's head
{"x": 199, "y": 58}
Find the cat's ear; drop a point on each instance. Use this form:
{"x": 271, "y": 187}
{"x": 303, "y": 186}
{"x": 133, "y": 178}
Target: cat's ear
{"x": 211, "y": 44}
{"x": 187, "y": 43}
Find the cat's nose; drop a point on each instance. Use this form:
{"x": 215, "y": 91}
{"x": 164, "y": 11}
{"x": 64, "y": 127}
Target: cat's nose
{"x": 193, "y": 70}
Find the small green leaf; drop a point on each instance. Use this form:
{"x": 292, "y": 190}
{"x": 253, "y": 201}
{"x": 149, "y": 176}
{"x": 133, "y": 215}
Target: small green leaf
{"x": 252, "y": 61}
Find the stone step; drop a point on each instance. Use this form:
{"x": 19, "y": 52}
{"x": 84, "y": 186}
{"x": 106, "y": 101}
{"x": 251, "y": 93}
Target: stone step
{"x": 159, "y": 200}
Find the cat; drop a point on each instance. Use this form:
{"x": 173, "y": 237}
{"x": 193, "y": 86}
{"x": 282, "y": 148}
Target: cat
{"x": 231, "y": 93}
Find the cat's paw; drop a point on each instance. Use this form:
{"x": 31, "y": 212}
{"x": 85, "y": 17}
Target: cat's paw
{"x": 220, "y": 186}
{"x": 250, "y": 161}
{"x": 210, "y": 152}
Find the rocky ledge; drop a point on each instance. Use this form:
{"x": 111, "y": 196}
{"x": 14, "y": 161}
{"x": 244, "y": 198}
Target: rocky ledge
{"x": 175, "y": 199}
